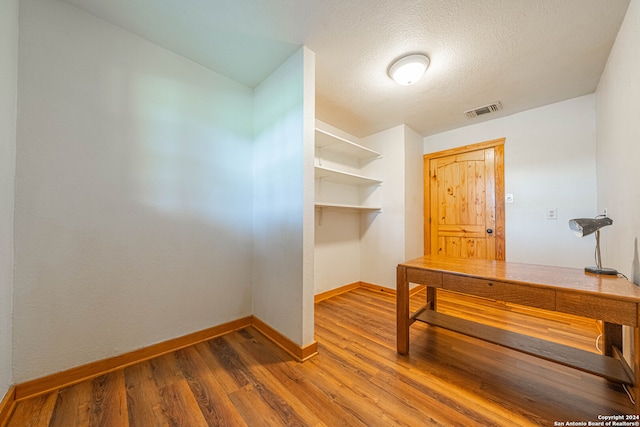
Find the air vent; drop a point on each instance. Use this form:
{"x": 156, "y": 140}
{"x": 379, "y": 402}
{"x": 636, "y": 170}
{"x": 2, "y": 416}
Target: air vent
{"x": 485, "y": 109}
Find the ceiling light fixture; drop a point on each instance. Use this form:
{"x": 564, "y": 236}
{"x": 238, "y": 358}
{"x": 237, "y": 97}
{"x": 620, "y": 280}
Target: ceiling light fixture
{"x": 408, "y": 69}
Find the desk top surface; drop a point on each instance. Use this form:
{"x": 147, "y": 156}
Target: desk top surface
{"x": 571, "y": 279}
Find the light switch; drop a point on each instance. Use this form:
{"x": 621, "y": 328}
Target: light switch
{"x": 508, "y": 198}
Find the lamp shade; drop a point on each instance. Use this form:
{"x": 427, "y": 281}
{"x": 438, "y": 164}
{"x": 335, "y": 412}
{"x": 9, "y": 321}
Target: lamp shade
{"x": 585, "y": 226}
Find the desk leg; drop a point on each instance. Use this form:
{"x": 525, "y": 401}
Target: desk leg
{"x": 431, "y": 298}
{"x": 611, "y": 337}
{"x": 635, "y": 390}
{"x": 402, "y": 310}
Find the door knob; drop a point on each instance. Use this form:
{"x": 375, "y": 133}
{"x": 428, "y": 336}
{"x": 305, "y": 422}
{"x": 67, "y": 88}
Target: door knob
{"x": 489, "y": 231}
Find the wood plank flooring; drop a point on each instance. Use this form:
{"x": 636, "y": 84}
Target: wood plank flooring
{"x": 358, "y": 379}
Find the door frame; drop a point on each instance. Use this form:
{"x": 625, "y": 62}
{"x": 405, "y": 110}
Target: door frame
{"x": 498, "y": 146}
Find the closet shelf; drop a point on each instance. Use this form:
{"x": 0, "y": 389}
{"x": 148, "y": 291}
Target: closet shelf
{"x": 348, "y": 207}
{"x": 340, "y": 177}
{"x": 329, "y": 142}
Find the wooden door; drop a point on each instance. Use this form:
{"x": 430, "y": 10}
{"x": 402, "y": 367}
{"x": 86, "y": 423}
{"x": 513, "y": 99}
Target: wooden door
{"x": 464, "y": 202}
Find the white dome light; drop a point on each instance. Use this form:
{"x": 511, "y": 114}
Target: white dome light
{"x": 409, "y": 69}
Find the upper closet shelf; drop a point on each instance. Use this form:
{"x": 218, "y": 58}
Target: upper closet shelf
{"x": 329, "y": 142}
{"x": 340, "y": 177}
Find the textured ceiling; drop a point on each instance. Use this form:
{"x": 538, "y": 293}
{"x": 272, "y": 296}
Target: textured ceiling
{"x": 524, "y": 53}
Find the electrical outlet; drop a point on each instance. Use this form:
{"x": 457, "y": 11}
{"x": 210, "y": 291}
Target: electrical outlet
{"x": 552, "y": 213}
{"x": 606, "y": 212}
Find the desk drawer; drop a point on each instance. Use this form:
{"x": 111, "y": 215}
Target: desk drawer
{"x": 594, "y": 307}
{"x": 424, "y": 277}
{"x": 501, "y": 291}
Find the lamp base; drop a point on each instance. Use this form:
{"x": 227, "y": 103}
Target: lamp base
{"x": 603, "y": 270}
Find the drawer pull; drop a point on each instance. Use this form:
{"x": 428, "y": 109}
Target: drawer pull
{"x": 490, "y": 284}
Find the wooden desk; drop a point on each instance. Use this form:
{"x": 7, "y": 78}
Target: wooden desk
{"x": 611, "y": 299}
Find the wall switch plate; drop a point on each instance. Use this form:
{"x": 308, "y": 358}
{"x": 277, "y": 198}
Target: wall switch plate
{"x": 508, "y": 198}
{"x": 552, "y": 213}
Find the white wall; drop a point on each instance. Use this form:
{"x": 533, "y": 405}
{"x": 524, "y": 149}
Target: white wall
{"x": 8, "y": 88}
{"x": 618, "y": 148}
{"x": 549, "y": 164}
{"x": 414, "y": 194}
{"x": 284, "y": 116}
{"x": 394, "y": 235}
{"x": 133, "y": 193}
{"x": 337, "y": 248}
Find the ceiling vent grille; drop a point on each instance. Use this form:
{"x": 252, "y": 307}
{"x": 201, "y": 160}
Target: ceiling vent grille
{"x": 485, "y": 109}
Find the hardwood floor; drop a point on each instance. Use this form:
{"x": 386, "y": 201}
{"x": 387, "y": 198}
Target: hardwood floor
{"x": 358, "y": 379}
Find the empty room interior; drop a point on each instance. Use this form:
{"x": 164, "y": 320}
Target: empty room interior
{"x": 249, "y": 206}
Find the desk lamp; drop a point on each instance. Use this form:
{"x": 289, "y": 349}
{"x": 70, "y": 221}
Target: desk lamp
{"x": 585, "y": 226}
